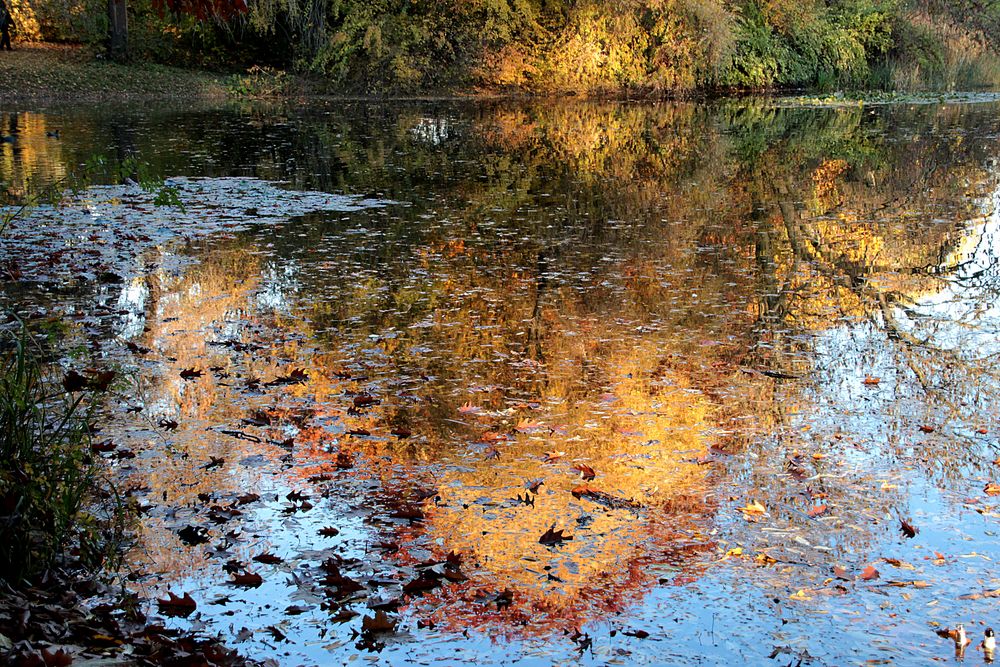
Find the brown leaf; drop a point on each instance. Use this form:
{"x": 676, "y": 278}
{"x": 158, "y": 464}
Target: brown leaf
{"x": 468, "y": 408}
{"x": 214, "y": 462}
{"x": 73, "y": 381}
{"x": 869, "y": 573}
{"x": 269, "y": 559}
{"x": 871, "y": 381}
{"x": 552, "y": 536}
{"x": 992, "y": 489}
{"x": 329, "y": 531}
{"x": 378, "y": 623}
{"x": 176, "y": 606}
{"x": 167, "y": 424}
{"x": 247, "y": 579}
{"x": 247, "y": 498}
{"x": 190, "y": 373}
{"x": 983, "y": 594}
{"x": 60, "y": 658}
{"x": 926, "y": 429}
{"x": 907, "y": 528}
{"x": 420, "y": 585}
{"x": 363, "y": 400}
{"x": 102, "y": 380}
{"x": 534, "y": 484}
{"x": 585, "y": 471}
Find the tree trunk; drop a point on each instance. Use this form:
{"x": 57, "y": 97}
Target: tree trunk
{"x": 117, "y": 30}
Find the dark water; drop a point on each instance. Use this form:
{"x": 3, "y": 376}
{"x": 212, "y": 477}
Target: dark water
{"x": 767, "y": 332}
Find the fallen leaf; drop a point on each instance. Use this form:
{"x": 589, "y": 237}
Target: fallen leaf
{"x": 992, "y": 489}
{"x": 528, "y": 425}
{"x": 73, "y": 381}
{"x": 268, "y": 559}
{"x": 380, "y": 622}
{"x": 753, "y": 511}
{"x": 871, "y": 381}
{"x": 193, "y": 535}
{"x": 816, "y": 511}
{"x": 363, "y": 400}
{"x": 869, "y": 573}
{"x": 980, "y": 595}
{"x": 247, "y": 580}
{"x": 552, "y": 536}
{"x": 176, "y": 606}
{"x": 190, "y": 374}
{"x": 468, "y": 408}
{"x": 907, "y": 528}
{"x": 586, "y": 471}
{"x": 926, "y": 429}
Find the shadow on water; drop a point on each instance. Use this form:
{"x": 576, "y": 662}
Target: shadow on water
{"x": 623, "y": 384}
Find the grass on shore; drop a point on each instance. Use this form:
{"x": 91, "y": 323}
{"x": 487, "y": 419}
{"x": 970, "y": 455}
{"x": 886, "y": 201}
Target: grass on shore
{"x": 50, "y": 72}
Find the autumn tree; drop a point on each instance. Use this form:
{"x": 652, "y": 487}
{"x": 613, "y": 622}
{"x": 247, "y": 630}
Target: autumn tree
{"x": 202, "y": 9}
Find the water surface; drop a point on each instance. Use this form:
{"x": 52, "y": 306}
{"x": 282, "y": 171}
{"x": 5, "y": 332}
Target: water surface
{"x": 725, "y": 348}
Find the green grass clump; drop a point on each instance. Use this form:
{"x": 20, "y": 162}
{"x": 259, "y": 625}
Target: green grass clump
{"x": 55, "y": 507}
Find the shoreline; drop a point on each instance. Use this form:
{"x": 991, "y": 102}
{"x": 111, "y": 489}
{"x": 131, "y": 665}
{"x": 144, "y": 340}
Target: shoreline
{"x": 47, "y": 74}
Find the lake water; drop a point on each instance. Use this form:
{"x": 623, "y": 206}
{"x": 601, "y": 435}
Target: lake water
{"x": 561, "y": 383}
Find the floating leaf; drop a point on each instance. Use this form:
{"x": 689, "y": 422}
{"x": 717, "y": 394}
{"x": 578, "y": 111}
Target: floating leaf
{"x": 380, "y": 622}
{"x": 552, "y": 536}
{"x": 193, "y": 535}
{"x": 753, "y": 511}
{"x": 585, "y": 471}
{"x": 247, "y": 580}
{"x": 907, "y": 528}
{"x": 528, "y": 426}
{"x": 869, "y": 573}
{"x": 817, "y": 510}
{"x": 176, "y": 606}
{"x": 268, "y": 559}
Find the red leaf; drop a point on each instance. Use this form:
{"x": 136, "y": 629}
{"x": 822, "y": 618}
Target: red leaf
{"x": 817, "y": 511}
{"x": 869, "y": 573}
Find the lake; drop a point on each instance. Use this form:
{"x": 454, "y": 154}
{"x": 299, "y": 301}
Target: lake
{"x": 545, "y": 383}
